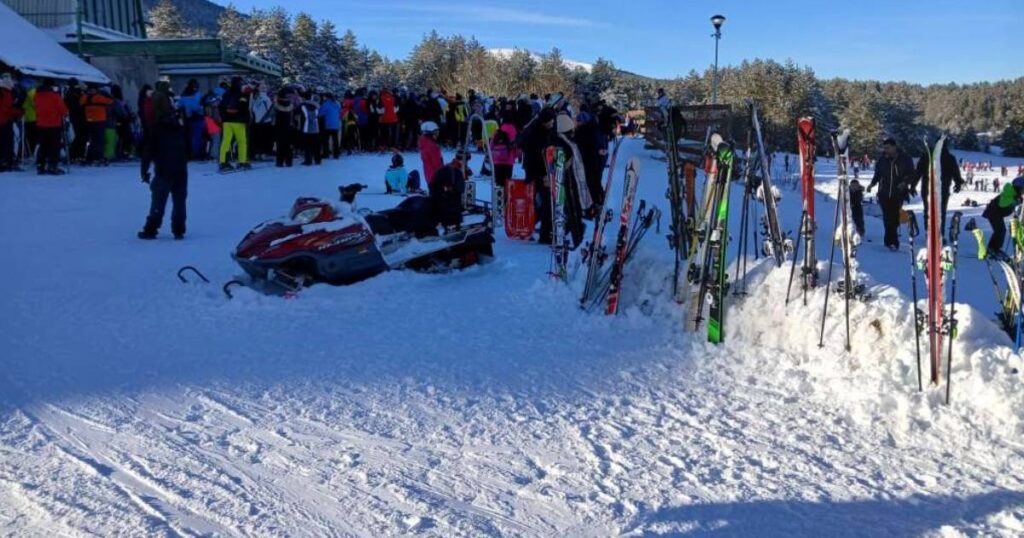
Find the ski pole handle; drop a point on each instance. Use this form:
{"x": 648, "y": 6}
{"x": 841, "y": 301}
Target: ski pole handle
{"x": 912, "y": 228}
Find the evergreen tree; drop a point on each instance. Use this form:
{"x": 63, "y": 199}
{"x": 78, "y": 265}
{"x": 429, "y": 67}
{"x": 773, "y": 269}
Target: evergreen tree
{"x": 233, "y": 29}
{"x": 166, "y": 22}
{"x": 271, "y": 35}
{"x": 517, "y": 72}
{"x": 968, "y": 140}
{"x": 864, "y": 119}
{"x": 1012, "y": 141}
{"x": 304, "y": 62}
{"x": 552, "y": 75}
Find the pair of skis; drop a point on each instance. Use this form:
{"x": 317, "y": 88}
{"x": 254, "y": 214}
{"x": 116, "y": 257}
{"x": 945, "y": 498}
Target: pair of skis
{"x": 775, "y": 244}
{"x": 606, "y": 286}
{"x": 678, "y": 233}
{"x": 1011, "y": 309}
{"x": 937, "y": 261}
{"x": 809, "y": 269}
{"x": 844, "y": 235}
{"x": 594, "y": 254}
{"x": 706, "y": 274}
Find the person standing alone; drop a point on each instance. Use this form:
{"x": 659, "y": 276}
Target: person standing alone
{"x": 894, "y": 174}
{"x": 166, "y": 151}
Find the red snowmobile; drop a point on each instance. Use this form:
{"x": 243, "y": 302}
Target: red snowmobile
{"x": 320, "y": 241}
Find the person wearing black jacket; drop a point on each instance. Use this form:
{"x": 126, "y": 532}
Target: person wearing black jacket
{"x": 447, "y": 190}
{"x": 533, "y": 141}
{"x": 593, "y": 146}
{"x": 284, "y": 127}
{"x": 894, "y": 174}
{"x": 234, "y": 111}
{"x": 165, "y": 149}
{"x": 950, "y": 178}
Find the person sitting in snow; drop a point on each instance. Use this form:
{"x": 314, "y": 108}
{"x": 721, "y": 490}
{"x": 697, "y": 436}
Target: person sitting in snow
{"x": 999, "y": 208}
{"x": 396, "y": 176}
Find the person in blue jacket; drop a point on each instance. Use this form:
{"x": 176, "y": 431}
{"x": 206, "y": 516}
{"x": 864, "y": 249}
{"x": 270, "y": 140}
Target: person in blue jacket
{"x": 330, "y": 115}
{"x": 191, "y": 106}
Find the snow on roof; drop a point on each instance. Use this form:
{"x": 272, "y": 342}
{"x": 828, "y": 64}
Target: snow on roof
{"x": 32, "y": 52}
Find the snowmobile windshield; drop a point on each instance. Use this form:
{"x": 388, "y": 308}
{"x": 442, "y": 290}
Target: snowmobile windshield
{"x": 307, "y": 215}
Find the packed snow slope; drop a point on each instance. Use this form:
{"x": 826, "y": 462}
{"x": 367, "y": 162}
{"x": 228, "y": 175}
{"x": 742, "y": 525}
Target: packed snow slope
{"x": 475, "y": 403}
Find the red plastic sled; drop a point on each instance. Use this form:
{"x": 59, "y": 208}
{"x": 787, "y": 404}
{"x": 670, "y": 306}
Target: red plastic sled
{"x": 520, "y": 214}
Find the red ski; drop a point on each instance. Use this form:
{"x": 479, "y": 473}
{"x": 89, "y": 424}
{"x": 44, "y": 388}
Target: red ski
{"x": 933, "y": 259}
{"x": 806, "y": 142}
{"x": 622, "y": 240}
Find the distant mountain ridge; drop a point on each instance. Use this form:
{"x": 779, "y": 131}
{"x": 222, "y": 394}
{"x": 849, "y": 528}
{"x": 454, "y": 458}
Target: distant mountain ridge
{"x": 200, "y": 14}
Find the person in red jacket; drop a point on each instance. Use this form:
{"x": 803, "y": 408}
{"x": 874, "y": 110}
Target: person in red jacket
{"x": 50, "y": 114}
{"x": 388, "y": 111}
{"x": 96, "y": 104}
{"x": 430, "y": 152}
{"x": 8, "y": 115}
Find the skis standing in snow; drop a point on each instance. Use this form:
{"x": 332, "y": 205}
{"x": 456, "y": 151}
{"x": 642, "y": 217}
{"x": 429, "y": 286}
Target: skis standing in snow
{"x": 775, "y": 244}
{"x": 844, "y": 235}
{"x": 809, "y": 268}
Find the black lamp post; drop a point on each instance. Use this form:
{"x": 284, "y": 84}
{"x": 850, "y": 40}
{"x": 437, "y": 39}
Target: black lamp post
{"x": 717, "y": 21}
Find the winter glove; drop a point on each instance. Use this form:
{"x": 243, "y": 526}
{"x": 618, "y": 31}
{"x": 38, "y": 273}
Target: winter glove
{"x": 869, "y": 188}
{"x": 145, "y": 177}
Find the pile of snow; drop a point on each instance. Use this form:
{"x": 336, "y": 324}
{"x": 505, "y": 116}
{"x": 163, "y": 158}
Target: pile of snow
{"x": 571, "y": 64}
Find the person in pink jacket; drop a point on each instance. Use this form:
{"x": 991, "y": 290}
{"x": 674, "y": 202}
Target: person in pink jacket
{"x": 430, "y": 152}
{"x": 504, "y": 154}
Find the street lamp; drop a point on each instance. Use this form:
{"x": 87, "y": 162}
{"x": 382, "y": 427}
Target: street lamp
{"x": 717, "y": 21}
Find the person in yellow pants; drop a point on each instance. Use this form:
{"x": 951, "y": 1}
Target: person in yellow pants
{"x": 234, "y": 110}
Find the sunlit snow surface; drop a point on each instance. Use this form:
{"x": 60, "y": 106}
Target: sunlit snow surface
{"x": 476, "y": 403}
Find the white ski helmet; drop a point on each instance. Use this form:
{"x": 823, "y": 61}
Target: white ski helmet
{"x": 428, "y": 127}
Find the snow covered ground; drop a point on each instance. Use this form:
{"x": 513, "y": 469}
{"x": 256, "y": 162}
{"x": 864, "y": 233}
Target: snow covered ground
{"x": 476, "y": 403}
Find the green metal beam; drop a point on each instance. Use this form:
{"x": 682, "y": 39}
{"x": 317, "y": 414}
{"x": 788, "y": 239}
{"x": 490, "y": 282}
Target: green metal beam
{"x": 179, "y": 51}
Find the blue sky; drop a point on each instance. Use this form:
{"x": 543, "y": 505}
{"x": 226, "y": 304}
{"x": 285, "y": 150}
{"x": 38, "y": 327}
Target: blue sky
{"x": 926, "y": 41}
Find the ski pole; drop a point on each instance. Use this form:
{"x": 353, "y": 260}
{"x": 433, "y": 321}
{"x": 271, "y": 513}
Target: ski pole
{"x": 848, "y": 279}
{"x": 796, "y": 254}
{"x": 954, "y": 235}
{"x": 831, "y": 263}
{"x": 912, "y": 232}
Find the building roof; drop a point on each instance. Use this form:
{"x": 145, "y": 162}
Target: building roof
{"x": 32, "y": 52}
{"x": 177, "y": 56}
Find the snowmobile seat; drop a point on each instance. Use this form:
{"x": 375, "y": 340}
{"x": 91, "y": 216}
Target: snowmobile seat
{"x": 414, "y": 215}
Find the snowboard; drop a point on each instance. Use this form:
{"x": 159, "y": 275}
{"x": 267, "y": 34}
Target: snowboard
{"x": 622, "y": 240}
{"x": 520, "y": 213}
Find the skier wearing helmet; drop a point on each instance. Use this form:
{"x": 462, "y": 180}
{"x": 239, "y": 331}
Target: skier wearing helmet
{"x": 430, "y": 151}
